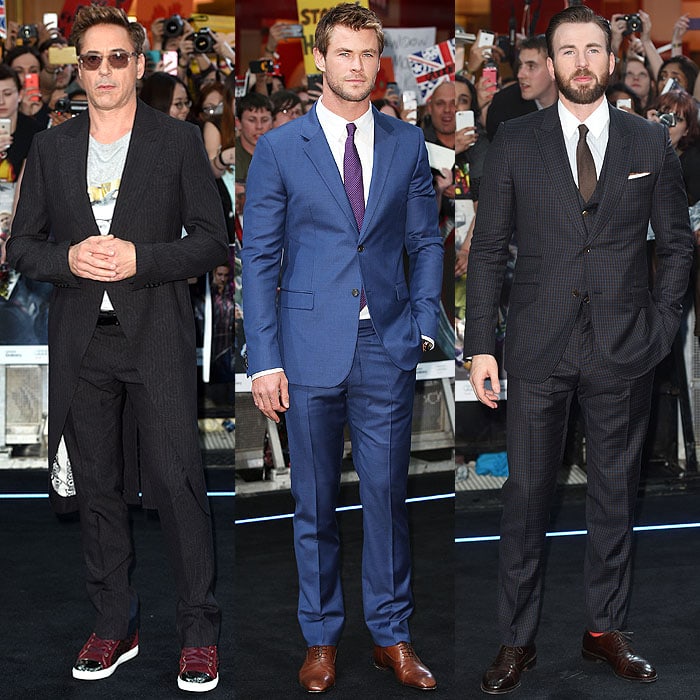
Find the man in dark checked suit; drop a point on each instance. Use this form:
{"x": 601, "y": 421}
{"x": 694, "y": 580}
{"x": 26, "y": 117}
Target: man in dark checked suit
{"x": 100, "y": 222}
{"x": 336, "y": 198}
{"x": 577, "y": 184}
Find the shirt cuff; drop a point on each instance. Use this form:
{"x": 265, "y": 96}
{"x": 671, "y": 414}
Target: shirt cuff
{"x": 266, "y": 371}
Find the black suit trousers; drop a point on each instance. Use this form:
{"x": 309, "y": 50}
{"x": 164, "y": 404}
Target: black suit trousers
{"x": 615, "y": 411}
{"x": 93, "y": 434}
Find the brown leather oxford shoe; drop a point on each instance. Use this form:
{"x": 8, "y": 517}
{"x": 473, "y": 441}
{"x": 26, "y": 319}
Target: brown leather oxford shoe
{"x": 503, "y": 675}
{"x": 407, "y": 667}
{"x": 317, "y": 673}
{"x": 614, "y": 648}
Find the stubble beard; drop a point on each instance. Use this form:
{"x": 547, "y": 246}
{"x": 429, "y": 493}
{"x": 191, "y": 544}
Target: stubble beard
{"x": 337, "y": 88}
{"x": 582, "y": 94}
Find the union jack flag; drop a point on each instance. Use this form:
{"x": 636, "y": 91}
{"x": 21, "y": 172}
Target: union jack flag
{"x": 433, "y": 66}
{"x": 3, "y": 20}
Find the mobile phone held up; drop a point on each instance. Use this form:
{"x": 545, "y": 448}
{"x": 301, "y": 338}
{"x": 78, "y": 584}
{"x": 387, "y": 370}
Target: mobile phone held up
{"x": 465, "y": 119}
{"x": 490, "y": 74}
{"x": 31, "y": 87}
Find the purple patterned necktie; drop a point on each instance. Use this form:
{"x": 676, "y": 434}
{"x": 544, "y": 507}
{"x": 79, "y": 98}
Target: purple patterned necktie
{"x": 352, "y": 176}
{"x": 352, "y": 179}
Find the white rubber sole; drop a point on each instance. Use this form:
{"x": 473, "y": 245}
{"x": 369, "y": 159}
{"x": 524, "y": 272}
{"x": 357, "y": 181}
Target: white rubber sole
{"x": 198, "y": 687}
{"x": 105, "y": 672}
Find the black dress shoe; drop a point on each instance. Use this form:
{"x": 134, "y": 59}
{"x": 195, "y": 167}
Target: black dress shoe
{"x": 503, "y": 675}
{"x": 614, "y": 648}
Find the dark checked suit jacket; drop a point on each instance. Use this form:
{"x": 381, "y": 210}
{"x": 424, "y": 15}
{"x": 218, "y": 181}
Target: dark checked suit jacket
{"x": 166, "y": 184}
{"x": 568, "y": 251}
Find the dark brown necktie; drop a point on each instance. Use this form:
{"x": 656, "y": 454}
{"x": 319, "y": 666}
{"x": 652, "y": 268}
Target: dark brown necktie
{"x": 587, "y": 178}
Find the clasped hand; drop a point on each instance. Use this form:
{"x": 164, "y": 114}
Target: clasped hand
{"x": 103, "y": 258}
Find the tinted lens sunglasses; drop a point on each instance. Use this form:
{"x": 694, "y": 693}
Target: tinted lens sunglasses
{"x": 116, "y": 59}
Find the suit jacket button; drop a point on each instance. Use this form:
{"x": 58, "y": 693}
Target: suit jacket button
{"x": 356, "y": 292}
{"x": 575, "y": 292}
{"x": 585, "y": 212}
{"x": 360, "y": 248}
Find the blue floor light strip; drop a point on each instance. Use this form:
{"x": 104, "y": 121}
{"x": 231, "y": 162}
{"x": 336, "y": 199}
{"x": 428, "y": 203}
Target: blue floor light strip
{"x": 285, "y": 516}
{"x": 30, "y": 496}
{"x": 578, "y": 533}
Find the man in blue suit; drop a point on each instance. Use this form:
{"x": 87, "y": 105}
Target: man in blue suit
{"x": 334, "y": 200}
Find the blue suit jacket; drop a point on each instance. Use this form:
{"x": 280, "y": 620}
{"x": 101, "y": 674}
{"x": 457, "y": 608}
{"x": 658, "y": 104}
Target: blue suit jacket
{"x": 298, "y": 216}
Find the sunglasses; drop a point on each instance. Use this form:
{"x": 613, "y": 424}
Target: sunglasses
{"x": 116, "y": 59}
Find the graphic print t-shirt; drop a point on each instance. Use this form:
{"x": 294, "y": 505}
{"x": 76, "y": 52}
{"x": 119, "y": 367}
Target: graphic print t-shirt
{"x": 105, "y": 164}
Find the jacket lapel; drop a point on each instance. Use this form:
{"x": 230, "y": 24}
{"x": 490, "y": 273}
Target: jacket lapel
{"x": 138, "y": 170}
{"x": 385, "y": 143}
{"x": 616, "y": 169}
{"x": 550, "y": 141}
{"x": 73, "y": 145}
{"x": 319, "y": 153}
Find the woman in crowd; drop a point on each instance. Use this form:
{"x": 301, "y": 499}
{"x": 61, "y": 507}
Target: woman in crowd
{"x": 638, "y": 78}
{"x": 286, "y": 106}
{"x": 220, "y": 140}
{"x": 26, "y": 60}
{"x": 166, "y": 93}
{"x": 209, "y": 105}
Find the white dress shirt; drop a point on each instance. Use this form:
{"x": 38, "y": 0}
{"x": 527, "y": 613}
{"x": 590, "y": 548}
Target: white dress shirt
{"x": 598, "y": 124}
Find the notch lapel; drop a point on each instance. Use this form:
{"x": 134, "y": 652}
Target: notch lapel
{"x": 319, "y": 153}
{"x": 550, "y": 141}
{"x": 616, "y": 169}
{"x": 385, "y": 144}
{"x": 73, "y": 147}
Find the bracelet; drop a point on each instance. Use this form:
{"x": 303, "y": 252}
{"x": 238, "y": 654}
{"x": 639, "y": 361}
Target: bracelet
{"x": 225, "y": 166}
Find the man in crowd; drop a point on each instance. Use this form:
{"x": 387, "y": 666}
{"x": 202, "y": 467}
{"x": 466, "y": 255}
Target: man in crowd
{"x": 93, "y": 221}
{"x": 342, "y": 339}
{"x": 535, "y": 88}
{"x": 579, "y": 182}
{"x": 253, "y": 119}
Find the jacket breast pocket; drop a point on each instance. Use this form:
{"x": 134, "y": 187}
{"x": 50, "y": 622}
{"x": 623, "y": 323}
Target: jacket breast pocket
{"x": 296, "y": 300}
{"x": 401, "y": 291}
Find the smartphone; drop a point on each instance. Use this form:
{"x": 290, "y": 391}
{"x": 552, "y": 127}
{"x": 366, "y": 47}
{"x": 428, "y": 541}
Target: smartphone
{"x": 6, "y": 126}
{"x": 694, "y": 23}
{"x": 490, "y": 73}
{"x": 410, "y": 104}
{"x": 485, "y": 38}
{"x": 315, "y": 83}
{"x": 671, "y": 84}
{"x": 264, "y": 65}
{"x": 50, "y": 20}
{"x": 624, "y": 103}
{"x": 292, "y": 31}
{"x": 170, "y": 62}
{"x": 62, "y": 55}
{"x": 31, "y": 86}
{"x": 465, "y": 119}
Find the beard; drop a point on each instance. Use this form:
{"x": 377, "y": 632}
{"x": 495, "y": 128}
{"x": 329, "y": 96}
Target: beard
{"x": 582, "y": 94}
{"x": 336, "y": 86}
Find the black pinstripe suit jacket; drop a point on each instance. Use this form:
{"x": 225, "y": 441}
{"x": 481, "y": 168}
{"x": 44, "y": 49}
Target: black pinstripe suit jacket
{"x": 528, "y": 191}
{"x": 166, "y": 184}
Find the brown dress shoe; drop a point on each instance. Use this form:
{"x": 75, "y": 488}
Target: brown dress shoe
{"x": 317, "y": 673}
{"x": 407, "y": 667}
{"x": 503, "y": 675}
{"x": 614, "y": 648}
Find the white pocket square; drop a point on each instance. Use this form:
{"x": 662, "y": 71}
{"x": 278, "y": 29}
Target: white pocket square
{"x": 634, "y": 176}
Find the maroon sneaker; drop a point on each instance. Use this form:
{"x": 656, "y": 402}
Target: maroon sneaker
{"x": 99, "y": 657}
{"x": 199, "y": 669}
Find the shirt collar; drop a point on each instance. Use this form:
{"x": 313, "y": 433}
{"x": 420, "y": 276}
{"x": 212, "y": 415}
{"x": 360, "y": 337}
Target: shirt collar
{"x": 597, "y": 122}
{"x": 335, "y": 125}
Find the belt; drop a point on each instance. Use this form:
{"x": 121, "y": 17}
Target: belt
{"x": 107, "y": 318}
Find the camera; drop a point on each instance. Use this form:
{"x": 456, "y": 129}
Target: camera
{"x": 669, "y": 119}
{"x": 264, "y": 65}
{"x": 66, "y": 106}
{"x": 27, "y": 35}
{"x": 173, "y": 26}
{"x": 634, "y": 24}
{"x": 203, "y": 41}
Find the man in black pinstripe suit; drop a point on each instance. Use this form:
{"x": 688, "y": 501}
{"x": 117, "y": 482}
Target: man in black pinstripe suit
{"x": 577, "y": 184}
{"x": 93, "y": 220}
